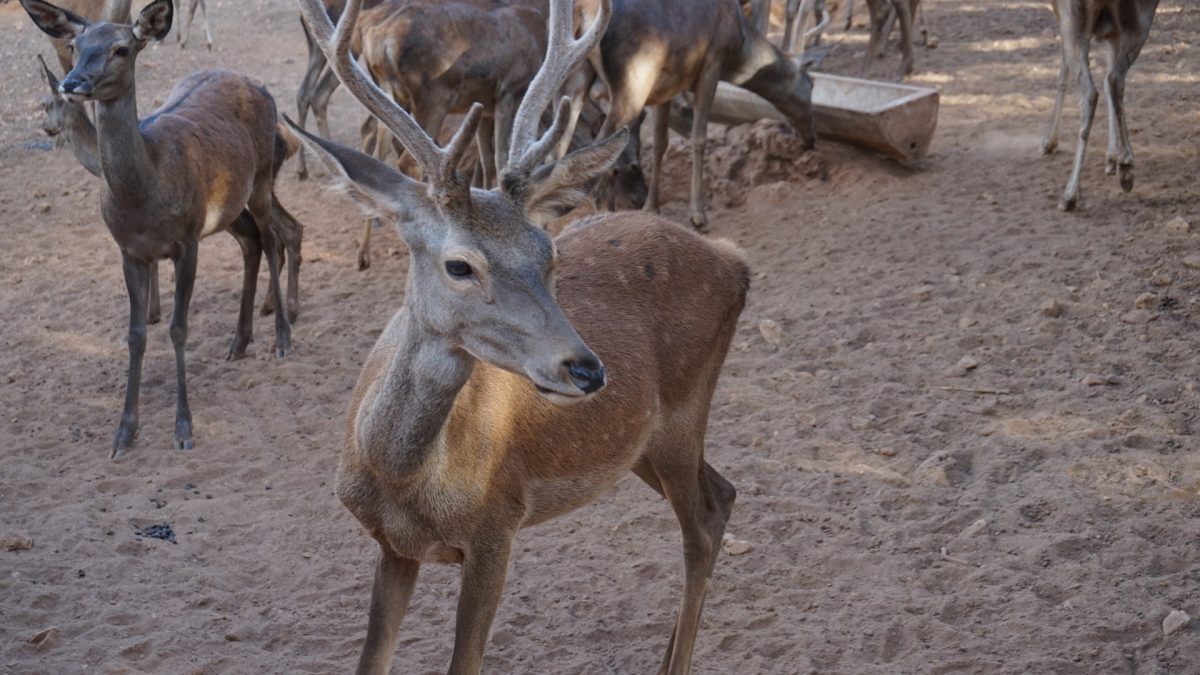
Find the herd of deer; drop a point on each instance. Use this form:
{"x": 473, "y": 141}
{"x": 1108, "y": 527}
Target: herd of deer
{"x": 523, "y": 375}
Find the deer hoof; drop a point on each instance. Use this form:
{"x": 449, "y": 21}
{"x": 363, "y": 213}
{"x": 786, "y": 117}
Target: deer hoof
{"x": 364, "y": 261}
{"x": 1049, "y": 145}
{"x": 1068, "y": 203}
{"x": 1126, "y": 172}
{"x": 283, "y": 345}
{"x": 293, "y": 310}
{"x": 183, "y": 435}
{"x": 126, "y": 433}
{"x": 700, "y": 222}
{"x": 237, "y": 350}
{"x": 1110, "y": 166}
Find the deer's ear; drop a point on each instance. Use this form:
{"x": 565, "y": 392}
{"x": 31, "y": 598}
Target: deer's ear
{"x": 54, "y": 21}
{"x": 556, "y": 188}
{"x": 379, "y": 190}
{"x": 50, "y": 78}
{"x": 155, "y": 20}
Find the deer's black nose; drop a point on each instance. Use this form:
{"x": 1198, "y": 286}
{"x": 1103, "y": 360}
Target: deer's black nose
{"x": 73, "y": 85}
{"x": 586, "y": 373}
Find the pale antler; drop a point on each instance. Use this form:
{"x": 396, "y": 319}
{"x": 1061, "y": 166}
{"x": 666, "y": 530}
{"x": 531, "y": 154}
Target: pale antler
{"x": 563, "y": 55}
{"x": 438, "y": 164}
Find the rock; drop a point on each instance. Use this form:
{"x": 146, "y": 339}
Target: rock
{"x": 1138, "y": 316}
{"x": 923, "y": 293}
{"x": 965, "y": 365}
{"x": 1176, "y": 621}
{"x": 232, "y": 637}
{"x": 44, "y": 208}
{"x": 1051, "y": 308}
{"x": 1092, "y": 380}
{"x": 1146, "y": 301}
{"x": 968, "y": 363}
{"x": 1161, "y": 280}
{"x": 734, "y": 546}
{"x": 887, "y": 452}
{"x": 932, "y": 42}
{"x": 45, "y": 638}
{"x": 1178, "y": 225}
{"x": 934, "y": 469}
{"x": 771, "y": 332}
{"x": 1192, "y": 261}
{"x": 16, "y": 543}
{"x": 974, "y": 528}
{"x": 967, "y": 322}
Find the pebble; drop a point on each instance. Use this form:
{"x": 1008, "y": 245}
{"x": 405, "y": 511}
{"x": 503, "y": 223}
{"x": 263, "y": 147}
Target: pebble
{"x": 974, "y": 528}
{"x": 1178, "y": 225}
{"x": 232, "y": 637}
{"x": 932, "y": 42}
{"x": 734, "y": 546}
{"x": 1146, "y": 301}
{"x": 771, "y": 332}
{"x": 45, "y": 638}
{"x": 1051, "y": 308}
{"x": 924, "y": 293}
{"x": 1192, "y": 261}
{"x": 1092, "y": 380}
{"x": 16, "y": 544}
{"x": 967, "y": 322}
{"x": 887, "y": 452}
{"x": 1138, "y": 316}
{"x": 1175, "y": 621}
{"x": 1161, "y": 280}
{"x": 965, "y": 365}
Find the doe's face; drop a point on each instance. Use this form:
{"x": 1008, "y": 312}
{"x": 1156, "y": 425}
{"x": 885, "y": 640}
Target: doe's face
{"x": 488, "y": 285}
{"x": 104, "y": 59}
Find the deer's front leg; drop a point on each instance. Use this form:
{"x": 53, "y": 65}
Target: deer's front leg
{"x": 484, "y": 570}
{"x": 394, "y": 581}
{"x": 706, "y": 89}
{"x": 154, "y": 315}
{"x": 137, "y": 282}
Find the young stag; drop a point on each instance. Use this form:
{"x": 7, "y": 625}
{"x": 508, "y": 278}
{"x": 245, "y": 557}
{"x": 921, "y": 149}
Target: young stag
{"x": 68, "y": 124}
{"x": 186, "y": 171}
{"x": 656, "y": 49}
{"x": 1122, "y": 26}
{"x": 480, "y": 409}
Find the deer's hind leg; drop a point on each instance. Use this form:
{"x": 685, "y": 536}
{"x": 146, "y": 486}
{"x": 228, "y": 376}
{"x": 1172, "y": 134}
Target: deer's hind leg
{"x": 185, "y": 280}
{"x": 246, "y": 232}
{"x": 702, "y": 500}
{"x": 260, "y": 208}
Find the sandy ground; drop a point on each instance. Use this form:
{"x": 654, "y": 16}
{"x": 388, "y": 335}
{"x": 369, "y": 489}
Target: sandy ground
{"x": 863, "y": 458}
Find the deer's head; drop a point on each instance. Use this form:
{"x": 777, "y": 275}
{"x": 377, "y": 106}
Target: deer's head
{"x": 104, "y": 52}
{"x": 481, "y": 274}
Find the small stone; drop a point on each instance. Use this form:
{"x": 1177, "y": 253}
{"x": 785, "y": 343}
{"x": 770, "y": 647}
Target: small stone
{"x": 1176, "y": 621}
{"x": 887, "y": 452}
{"x": 1138, "y": 316}
{"x": 967, "y": 322}
{"x": 232, "y": 637}
{"x": 771, "y": 332}
{"x": 974, "y": 528}
{"x": 44, "y": 208}
{"x": 924, "y": 293}
{"x": 734, "y": 546}
{"x": 968, "y": 363}
{"x": 932, "y": 42}
{"x": 248, "y": 383}
{"x": 1161, "y": 280}
{"x": 1192, "y": 261}
{"x": 1092, "y": 380}
{"x": 1146, "y": 301}
{"x": 1178, "y": 225}
{"x": 45, "y": 638}
{"x": 1051, "y": 308}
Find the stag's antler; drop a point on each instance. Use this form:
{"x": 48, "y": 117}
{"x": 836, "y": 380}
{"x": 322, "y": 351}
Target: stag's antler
{"x": 438, "y": 164}
{"x": 563, "y": 54}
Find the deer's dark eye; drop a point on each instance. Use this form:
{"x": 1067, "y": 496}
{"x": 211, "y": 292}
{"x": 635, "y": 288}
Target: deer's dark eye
{"x": 458, "y": 269}
{"x": 121, "y": 51}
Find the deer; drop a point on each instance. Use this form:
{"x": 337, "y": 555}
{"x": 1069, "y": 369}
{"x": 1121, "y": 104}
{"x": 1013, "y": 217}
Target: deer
{"x": 117, "y": 11}
{"x": 883, "y": 14}
{"x": 657, "y": 49}
{"x": 485, "y": 405}
{"x": 187, "y": 170}
{"x": 181, "y": 36}
{"x": 1122, "y": 26}
{"x": 68, "y": 124}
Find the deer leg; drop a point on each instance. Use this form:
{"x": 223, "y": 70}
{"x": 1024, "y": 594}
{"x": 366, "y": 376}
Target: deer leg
{"x": 702, "y": 500}
{"x": 1116, "y": 80}
{"x": 312, "y": 74}
{"x": 791, "y": 10}
{"x": 1088, "y": 97}
{"x": 154, "y": 314}
{"x": 506, "y": 110}
{"x": 661, "y": 113}
{"x": 628, "y": 99}
{"x": 1110, "y": 103}
{"x": 904, "y": 12}
{"x": 849, "y": 14}
{"x": 260, "y": 210}
{"x": 484, "y": 570}
{"x": 320, "y": 100}
{"x": 877, "y": 20}
{"x": 246, "y": 232}
{"x": 185, "y": 280}
{"x": 137, "y": 282}
{"x": 291, "y": 234}
{"x": 706, "y": 89}
{"x": 394, "y": 581}
{"x": 208, "y": 42}
{"x": 485, "y": 134}
{"x": 1050, "y": 140}
{"x": 181, "y": 34}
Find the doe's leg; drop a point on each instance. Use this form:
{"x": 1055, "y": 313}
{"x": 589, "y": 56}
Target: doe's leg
{"x": 394, "y": 581}
{"x": 137, "y": 282}
{"x": 185, "y": 280}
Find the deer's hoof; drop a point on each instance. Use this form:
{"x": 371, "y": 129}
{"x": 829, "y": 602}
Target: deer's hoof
{"x": 183, "y": 435}
{"x": 126, "y": 434}
{"x": 283, "y": 345}
{"x": 293, "y": 310}
{"x": 364, "y": 261}
{"x": 1049, "y": 146}
{"x": 154, "y": 317}
{"x": 1126, "y": 174}
{"x": 1068, "y": 203}
{"x": 700, "y": 222}
{"x": 237, "y": 350}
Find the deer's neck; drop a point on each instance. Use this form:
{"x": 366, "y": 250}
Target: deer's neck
{"x": 402, "y": 417}
{"x": 124, "y": 160}
{"x": 117, "y": 11}
{"x": 80, "y": 135}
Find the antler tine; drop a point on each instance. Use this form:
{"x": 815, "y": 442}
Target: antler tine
{"x": 437, "y": 164}
{"x": 563, "y": 54}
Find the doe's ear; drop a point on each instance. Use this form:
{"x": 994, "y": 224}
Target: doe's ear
{"x": 154, "y": 22}
{"x": 50, "y": 78}
{"x": 379, "y": 190}
{"x": 54, "y": 21}
{"x": 556, "y": 188}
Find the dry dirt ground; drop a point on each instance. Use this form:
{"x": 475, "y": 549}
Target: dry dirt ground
{"x": 861, "y": 455}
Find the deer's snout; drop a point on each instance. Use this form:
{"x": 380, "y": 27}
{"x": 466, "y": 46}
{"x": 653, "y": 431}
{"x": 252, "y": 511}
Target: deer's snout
{"x": 586, "y": 373}
{"x": 75, "y": 86}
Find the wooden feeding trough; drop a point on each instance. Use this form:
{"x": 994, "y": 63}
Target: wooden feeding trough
{"x": 896, "y": 120}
